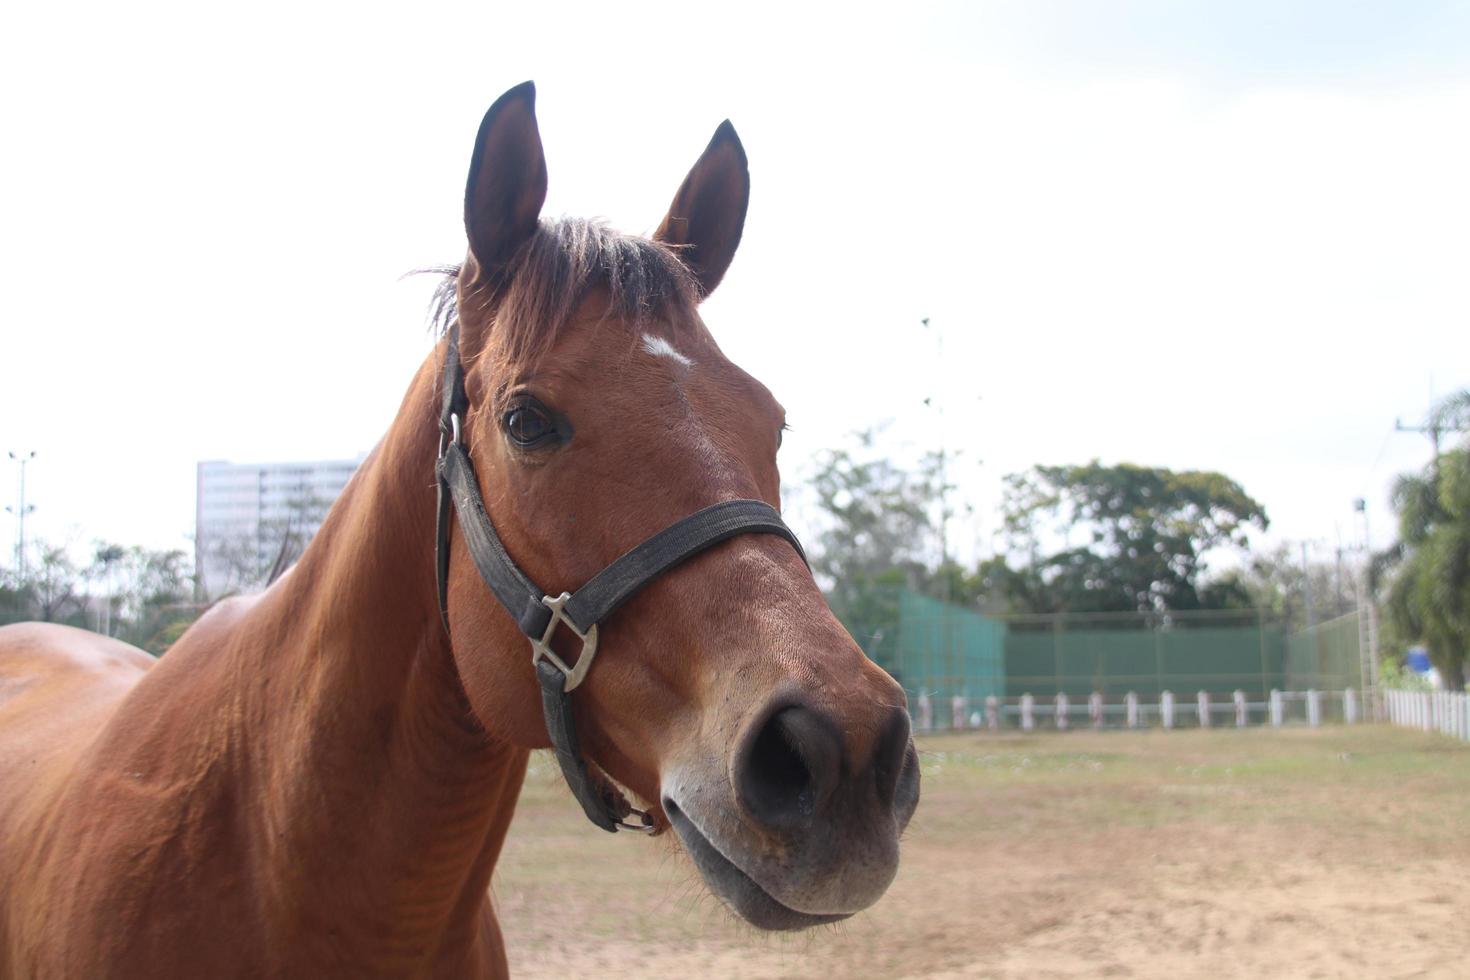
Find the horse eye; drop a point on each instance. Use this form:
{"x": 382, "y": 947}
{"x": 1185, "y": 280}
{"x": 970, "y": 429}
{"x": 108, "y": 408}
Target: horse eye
{"x": 528, "y": 425}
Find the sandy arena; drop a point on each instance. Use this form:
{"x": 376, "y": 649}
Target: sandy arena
{"x": 1328, "y": 853}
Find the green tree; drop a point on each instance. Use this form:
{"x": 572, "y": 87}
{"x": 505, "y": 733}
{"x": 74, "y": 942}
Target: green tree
{"x": 55, "y": 585}
{"x": 1429, "y": 591}
{"x": 877, "y": 536}
{"x": 1098, "y": 538}
{"x": 1453, "y": 413}
{"x": 148, "y": 592}
{"x": 135, "y": 594}
{"x": 1277, "y": 583}
{"x": 15, "y": 599}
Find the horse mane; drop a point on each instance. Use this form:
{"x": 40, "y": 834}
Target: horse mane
{"x": 550, "y": 275}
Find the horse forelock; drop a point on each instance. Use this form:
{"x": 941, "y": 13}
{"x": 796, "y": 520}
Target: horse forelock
{"x": 553, "y": 273}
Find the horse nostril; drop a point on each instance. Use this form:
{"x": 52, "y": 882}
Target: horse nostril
{"x": 891, "y": 760}
{"x": 790, "y": 765}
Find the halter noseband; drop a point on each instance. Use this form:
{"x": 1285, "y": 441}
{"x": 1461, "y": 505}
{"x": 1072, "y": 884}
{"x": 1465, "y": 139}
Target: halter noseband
{"x": 538, "y": 614}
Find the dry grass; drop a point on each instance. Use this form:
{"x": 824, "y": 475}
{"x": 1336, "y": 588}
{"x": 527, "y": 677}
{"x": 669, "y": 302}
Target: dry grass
{"x": 1337, "y": 852}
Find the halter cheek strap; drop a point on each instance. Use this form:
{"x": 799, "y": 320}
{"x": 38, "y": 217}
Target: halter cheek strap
{"x": 538, "y": 614}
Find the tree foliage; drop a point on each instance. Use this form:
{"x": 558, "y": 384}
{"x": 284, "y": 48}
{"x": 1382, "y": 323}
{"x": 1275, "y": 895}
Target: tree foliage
{"x": 1088, "y": 538}
{"x": 1288, "y": 592}
{"x": 52, "y": 590}
{"x": 149, "y": 594}
{"x": 1429, "y": 591}
{"x": 877, "y": 535}
{"x": 56, "y": 584}
{"x": 1102, "y": 538}
{"x": 138, "y": 595}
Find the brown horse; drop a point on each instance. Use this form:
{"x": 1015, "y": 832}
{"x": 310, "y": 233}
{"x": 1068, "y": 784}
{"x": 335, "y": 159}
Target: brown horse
{"x": 318, "y": 780}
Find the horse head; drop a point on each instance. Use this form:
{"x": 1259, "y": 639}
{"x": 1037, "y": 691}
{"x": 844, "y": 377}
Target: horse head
{"x": 599, "y": 411}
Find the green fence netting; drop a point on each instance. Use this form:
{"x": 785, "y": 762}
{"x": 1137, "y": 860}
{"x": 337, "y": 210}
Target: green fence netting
{"x": 945, "y": 651}
{"x": 1079, "y": 654}
{"x": 1325, "y": 656}
{"x": 948, "y": 651}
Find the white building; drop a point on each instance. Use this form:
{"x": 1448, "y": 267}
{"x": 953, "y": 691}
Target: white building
{"x": 244, "y": 511}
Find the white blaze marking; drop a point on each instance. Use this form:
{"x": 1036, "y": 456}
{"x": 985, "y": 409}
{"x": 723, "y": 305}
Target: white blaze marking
{"x": 659, "y": 347}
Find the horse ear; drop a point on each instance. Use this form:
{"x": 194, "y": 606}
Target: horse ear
{"x": 507, "y": 183}
{"x": 708, "y": 214}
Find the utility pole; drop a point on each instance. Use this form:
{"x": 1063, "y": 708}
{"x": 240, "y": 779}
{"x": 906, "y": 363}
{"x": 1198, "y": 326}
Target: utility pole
{"x": 1307, "y": 588}
{"x": 1337, "y": 602}
{"x": 936, "y": 402}
{"x": 1367, "y": 622}
{"x": 1431, "y": 430}
{"x": 1434, "y": 428}
{"x": 20, "y": 510}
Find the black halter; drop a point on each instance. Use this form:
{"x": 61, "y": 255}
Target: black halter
{"x": 537, "y": 614}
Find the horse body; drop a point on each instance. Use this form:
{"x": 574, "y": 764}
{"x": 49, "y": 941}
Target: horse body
{"x": 317, "y": 782}
{"x": 297, "y": 789}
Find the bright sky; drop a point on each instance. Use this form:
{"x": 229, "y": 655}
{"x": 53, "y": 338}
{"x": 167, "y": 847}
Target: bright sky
{"x": 1230, "y": 236}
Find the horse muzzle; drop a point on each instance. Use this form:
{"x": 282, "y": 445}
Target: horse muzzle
{"x": 792, "y": 831}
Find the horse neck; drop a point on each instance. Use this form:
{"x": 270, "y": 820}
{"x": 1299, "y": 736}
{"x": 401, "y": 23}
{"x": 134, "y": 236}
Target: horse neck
{"x": 385, "y": 800}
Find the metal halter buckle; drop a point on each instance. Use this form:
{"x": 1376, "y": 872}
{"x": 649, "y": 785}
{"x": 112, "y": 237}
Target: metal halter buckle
{"x": 541, "y": 649}
{"x": 449, "y": 437}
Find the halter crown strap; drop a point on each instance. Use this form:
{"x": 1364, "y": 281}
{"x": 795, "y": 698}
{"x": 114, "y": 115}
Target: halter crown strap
{"x": 537, "y": 614}
{"x": 517, "y": 593}
{"x": 452, "y": 409}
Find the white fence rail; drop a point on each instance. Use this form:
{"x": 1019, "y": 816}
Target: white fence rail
{"x": 1202, "y": 710}
{"x": 1447, "y": 712}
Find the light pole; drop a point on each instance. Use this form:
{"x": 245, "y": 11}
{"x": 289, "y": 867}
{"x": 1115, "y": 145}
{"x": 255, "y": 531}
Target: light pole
{"x": 936, "y": 402}
{"x": 20, "y": 510}
{"x": 1368, "y": 621}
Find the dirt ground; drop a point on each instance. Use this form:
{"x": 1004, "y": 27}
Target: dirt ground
{"x": 1330, "y": 853}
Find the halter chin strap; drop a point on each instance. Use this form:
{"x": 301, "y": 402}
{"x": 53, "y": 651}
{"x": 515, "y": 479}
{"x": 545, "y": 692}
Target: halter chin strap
{"x": 538, "y": 614}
